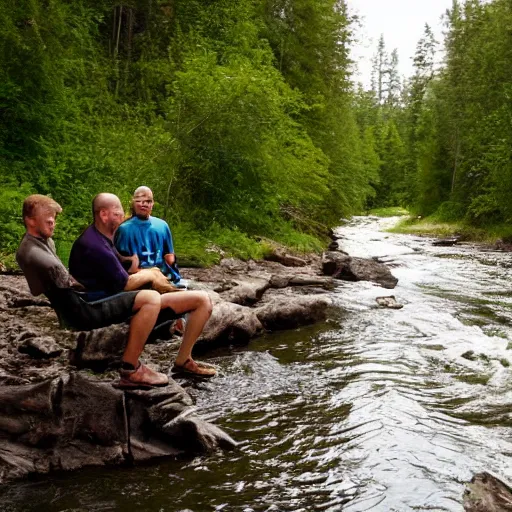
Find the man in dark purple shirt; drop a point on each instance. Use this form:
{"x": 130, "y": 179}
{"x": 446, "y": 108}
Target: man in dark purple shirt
{"x": 95, "y": 263}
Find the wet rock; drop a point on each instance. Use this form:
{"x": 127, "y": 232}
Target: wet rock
{"x": 469, "y": 355}
{"x": 288, "y": 312}
{"x": 346, "y": 268}
{"x": 72, "y": 422}
{"x": 40, "y": 347}
{"x": 487, "y": 493}
{"x": 231, "y": 323}
{"x": 333, "y": 262}
{"x": 388, "y": 302}
{"x": 368, "y": 270}
{"x": 446, "y": 242}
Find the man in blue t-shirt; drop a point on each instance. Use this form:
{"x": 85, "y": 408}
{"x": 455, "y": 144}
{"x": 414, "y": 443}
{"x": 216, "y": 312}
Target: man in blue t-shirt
{"x": 147, "y": 237}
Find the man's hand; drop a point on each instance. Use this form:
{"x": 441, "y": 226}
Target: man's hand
{"x": 169, "y": 258}
{"x": 150, "y": 275}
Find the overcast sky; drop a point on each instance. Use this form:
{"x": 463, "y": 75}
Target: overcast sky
{"x": 401, "y": 22}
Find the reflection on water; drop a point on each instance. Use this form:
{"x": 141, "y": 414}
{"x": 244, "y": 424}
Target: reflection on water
{"x": 382, "y": 410}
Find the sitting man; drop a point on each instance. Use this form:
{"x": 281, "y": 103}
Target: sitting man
{"x": 46, "y": 274}
{"x": 147, "y": 237}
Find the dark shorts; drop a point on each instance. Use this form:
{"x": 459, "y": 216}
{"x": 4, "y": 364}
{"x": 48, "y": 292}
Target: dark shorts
{"x": 76, "y": 313}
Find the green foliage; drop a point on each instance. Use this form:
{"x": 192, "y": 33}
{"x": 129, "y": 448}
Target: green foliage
{"x": 395, "y": 211}
{"x": 11, "y": 226}
{"x": 449, "y": 211}
{"x": 239, "y": 115}
{"x": 446, "y": 150}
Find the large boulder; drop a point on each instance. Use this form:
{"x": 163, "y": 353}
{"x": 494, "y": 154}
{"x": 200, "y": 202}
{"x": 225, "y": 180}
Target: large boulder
{"x": 290, "y": 311}
{"x": 100, "y": 349}
{"x": 231, "y": 323}
{"x": 72, "y": 421}
{"x": 247, "y": 291}
{"x": 486, "y": 493}
{"x": 344, "y": 267}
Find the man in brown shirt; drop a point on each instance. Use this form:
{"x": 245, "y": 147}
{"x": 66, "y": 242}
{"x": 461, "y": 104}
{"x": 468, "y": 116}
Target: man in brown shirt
{"x": 46, "y": 274}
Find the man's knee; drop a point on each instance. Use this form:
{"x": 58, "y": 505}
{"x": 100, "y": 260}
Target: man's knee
{"x": 208, "y": 302}
{"x": 147, "y": 298}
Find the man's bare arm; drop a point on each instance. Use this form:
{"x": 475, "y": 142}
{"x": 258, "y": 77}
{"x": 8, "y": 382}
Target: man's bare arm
{"x": 139, "y": 279}
{"x": 134, "y": 263}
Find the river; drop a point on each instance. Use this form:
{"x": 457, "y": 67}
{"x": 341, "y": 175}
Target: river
{"x": 375, "y": 409}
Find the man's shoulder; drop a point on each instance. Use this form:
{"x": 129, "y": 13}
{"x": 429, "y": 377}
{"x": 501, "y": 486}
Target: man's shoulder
{"x": 89, "y": 241}
{"x": 128, "y": 225}
{"x": 30, "y": 244}
{"x": 33, "y": 251}
{"x": 158, "y": 223}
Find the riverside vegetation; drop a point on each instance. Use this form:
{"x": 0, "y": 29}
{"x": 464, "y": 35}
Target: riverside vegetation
{"x": 238, "y": 114}
{"x": 243, "y": 118}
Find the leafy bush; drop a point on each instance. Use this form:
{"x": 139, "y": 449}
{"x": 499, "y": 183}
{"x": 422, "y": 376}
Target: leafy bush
{"x": 449, "y": 211}
{"x": 11, "y": 223}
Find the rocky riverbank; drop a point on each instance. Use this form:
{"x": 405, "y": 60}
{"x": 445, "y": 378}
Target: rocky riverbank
{"x": 58, "y": 409}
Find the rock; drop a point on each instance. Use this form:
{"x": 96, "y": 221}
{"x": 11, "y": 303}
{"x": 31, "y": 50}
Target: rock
{"x": 486, "y": 493}
{"x": 246, "y": 292}
{"x": 333, "y": 262}
{"x": 307, "y": 280}
{"x": 40, "y": 347}
{"x": 388, "y": 302}
{"x": 72, "y": 422}
{"x": 100, "y": 349}
{"x": 231, "y": 323}
{"x": 333, "y": 246}
{"x": 281, "y": 256}
{"x": 446, "y": 242}
{"x": 233, "y": 265}
{"x": 289, "y": 311}
{"x": 280, "y": 281}
{"x": 346, "y": 268}
{"x": 369, "y": 270}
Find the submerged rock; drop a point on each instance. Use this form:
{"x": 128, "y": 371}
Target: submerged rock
{"x": 388, "y": 302}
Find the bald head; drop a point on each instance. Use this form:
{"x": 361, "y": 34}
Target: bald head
{"x": 142, "y": 202}
{"x": 142, "y": 190}
{"x": 104, "y": 201}
{"x": 108, "y": 213}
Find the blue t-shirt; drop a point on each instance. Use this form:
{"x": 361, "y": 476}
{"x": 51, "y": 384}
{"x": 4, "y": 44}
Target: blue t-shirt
{"x": 94, "y": 262}
{"x": 150, "y": 240}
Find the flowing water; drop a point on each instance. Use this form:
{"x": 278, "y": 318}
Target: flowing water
{"x": 376, "y": 409}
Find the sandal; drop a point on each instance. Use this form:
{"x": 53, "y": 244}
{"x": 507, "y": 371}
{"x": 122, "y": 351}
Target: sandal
{"x": 195, "y": 368}
{"x": 142, "y": 377}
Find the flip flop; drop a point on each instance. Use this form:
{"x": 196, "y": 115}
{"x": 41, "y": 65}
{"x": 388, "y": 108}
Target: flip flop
{"x": 194, "y": 368}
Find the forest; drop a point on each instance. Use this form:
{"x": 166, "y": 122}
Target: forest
{"x": 244, "y": 118}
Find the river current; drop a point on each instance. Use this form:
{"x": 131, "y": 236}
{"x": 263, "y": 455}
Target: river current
{"x": 373, "y": 410}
